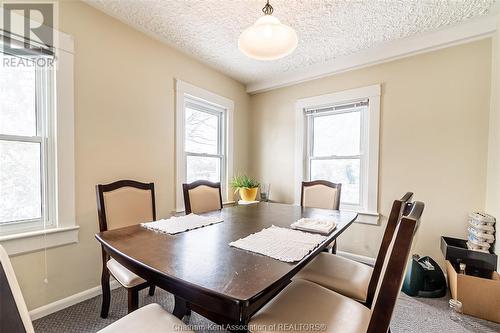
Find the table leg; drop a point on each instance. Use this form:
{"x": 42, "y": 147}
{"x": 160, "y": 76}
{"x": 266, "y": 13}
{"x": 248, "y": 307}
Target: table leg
{"x": 181, "y": 308}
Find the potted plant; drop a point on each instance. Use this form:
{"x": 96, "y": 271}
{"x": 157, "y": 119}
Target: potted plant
{"x": 246, "y": 186}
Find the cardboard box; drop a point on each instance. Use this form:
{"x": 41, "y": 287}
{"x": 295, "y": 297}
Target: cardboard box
{"x": 480, "y": 297}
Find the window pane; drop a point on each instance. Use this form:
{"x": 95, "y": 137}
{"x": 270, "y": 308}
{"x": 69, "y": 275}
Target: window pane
{"x": 337, "y": 134}
{"x": 17, "y": 99}
{"x": 20, "y": 185}
{"x": 344, "y": 171}
{"x": 201, "y": 132}
{"x": 206, "y": 168}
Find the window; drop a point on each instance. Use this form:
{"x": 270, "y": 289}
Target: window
{"x": 204, "y": 141}
{"x": 335, "y": 152}
{"x": 337, "y": 140}
{"x": 37, "y": 164}
{"x": 26, "y": 94}
{"x": 203, "y": 138}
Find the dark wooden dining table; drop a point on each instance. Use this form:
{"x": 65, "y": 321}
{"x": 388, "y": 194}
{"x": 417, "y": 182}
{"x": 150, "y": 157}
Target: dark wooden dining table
{"x": 224, "y": 284}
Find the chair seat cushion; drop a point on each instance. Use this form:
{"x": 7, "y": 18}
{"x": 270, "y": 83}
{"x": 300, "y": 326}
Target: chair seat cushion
{"x": 347, "y": 277}
{"x": 150, "y": 318}
{"x": 304, "y": 306}
{"x": 123, "y": 275}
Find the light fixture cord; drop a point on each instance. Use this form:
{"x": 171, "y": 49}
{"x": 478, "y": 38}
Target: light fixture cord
{"x": 268, "y": 9}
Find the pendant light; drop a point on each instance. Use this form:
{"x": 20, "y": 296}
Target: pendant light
{"x": 268, "y": 38}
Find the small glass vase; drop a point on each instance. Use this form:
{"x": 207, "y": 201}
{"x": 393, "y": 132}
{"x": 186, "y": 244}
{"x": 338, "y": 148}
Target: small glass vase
{"x": 264, "y": 192}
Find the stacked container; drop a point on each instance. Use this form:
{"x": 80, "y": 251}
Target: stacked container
{"x": 481, "y": 232}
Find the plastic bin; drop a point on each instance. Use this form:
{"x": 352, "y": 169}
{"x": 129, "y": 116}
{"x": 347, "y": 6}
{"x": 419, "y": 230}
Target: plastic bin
{"x": 455, "y": 249}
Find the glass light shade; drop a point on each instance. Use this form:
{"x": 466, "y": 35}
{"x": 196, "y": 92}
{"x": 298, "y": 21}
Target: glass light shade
{"x": 267, "y": 39}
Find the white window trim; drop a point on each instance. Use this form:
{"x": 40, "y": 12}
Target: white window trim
{"x": 181, "y": 90}
{"x": 370, "y": 213}
{"x": 220, "y": 113}
{"x": 65, "y": 230}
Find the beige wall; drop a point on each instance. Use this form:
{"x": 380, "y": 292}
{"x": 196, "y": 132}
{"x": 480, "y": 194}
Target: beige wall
{"x": 433, "y": 136}
{"x": 433, "y": 141}
{"x": 493, "y": 178}
{"x": 124, "y": 128}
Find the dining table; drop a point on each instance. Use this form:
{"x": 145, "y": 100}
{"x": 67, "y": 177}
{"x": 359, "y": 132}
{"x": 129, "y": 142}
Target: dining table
{"x": 225, "y": 284}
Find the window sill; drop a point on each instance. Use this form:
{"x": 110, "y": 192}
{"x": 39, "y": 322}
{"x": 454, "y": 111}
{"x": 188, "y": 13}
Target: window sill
{"x": 38, "y": 240}
{"x": 367, "y": 218}
{"x": 364, "y": 216}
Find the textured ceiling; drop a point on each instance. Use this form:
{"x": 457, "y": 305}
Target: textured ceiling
{"x": 209, "y": 29}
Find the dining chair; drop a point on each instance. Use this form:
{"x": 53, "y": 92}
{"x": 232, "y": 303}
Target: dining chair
{"x": 15, "y": 318}
{"x": 121, "y": 204}
{"x": 352, "y": 278}
{"x": 305, "y": 305}
{"x": 321, "y": 194}
{"x": 202, "y": 196}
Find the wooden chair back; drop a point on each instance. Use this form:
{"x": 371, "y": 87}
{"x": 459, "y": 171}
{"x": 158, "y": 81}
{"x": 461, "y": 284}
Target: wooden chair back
{"x": 124, "y": 203}
{"x": 320, "y": 194}
{"x": 14, "y": 316}
{"x": 394, "y": 217}
{"x": 393, "y": 269}
{"x": 202, "y": 196}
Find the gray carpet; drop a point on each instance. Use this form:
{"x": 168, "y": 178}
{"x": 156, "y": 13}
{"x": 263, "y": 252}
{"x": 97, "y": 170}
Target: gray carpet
{"x": 411, "y": 315}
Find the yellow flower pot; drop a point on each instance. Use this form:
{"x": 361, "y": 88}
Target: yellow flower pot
{"x": 248, "y": 194}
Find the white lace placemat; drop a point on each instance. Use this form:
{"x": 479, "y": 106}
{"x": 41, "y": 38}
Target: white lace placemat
{"x": 280, "y": 243}
{"x": 177, "y": 224}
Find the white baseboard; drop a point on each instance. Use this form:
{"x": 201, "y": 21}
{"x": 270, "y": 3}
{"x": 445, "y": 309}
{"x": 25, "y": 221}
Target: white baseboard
{"x": 357, "y": 257}
{"x": 47, "y": 309}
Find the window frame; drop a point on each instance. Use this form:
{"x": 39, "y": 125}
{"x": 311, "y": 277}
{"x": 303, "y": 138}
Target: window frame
{"x": 220, "y": 113}
{"x": 361, "y": 156}
{"x": 183, "y": 92}
{"x": 64, "y": 230}
{"x": 369, "y": 141}
{"x": 44, "y": 110}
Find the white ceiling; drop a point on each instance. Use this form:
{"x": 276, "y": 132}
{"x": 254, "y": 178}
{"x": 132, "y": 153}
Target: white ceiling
{"x": 209, "y": 29}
